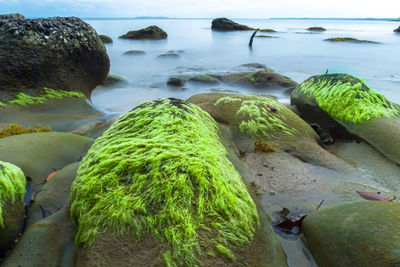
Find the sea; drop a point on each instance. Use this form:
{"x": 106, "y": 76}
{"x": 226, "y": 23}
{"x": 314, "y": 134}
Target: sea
{"x": 293, "y": 51}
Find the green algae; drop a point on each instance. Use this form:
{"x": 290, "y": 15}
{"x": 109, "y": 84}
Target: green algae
{"x": 161, "y": 170}
{"x": 347, "y": 98}
{"x": 224, "y": 251}
{"x": 22, "y": 99}
{"x": 12, "y": 185}
{"x": 258, "y": 120}
{"x": 17, "y": 129}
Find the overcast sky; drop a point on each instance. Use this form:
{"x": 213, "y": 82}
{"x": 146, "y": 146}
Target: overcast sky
{"x": 204, "y": 8}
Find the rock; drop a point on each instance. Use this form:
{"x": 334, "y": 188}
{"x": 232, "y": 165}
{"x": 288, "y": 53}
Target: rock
{"x": 134, "y": 52}
{"x": 58, "y": 53}
{"x": 224, "y": 24}
{"x": 262, "y": 79}
{"x": 254, "y": 66}
{"x": 106, "y": 39}
{"x": 267, "y": 30}
{"x": 266, "y": 36}
{"x": 150, "y": 33}
{"x": 49, "y": 242}
{"x": 341, "y": 101}
{"x": 169, "y": 56}
{"x": 54, "y": 195}
{"x": 114, "y": 80}
{"x": 173, "y": 164}
{"x": 12, "y": 191}
{"x": 397, "y": 30}
{"x": 316, "y": 29}
{"x": 176, "y": 82}
{"x": 38, "y": 154}
{"x": 12, "y": 16}
{"x": 205, "y": 79}
{"x": 349, "y": 40}
{"x": 355, "y": 234}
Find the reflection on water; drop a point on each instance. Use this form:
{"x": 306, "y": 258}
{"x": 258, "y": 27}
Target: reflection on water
{"x": 204, "y": 51}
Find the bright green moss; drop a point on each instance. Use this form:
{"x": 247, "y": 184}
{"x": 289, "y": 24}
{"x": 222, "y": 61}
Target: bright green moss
{"x": 347, "y": 98}
{"x": 22, "y": 99}
{"x": 161, "y": 169}
{"x": 12, "y": 185}
{"x": 258, "y": 120}
{"x": 224, "y": 251}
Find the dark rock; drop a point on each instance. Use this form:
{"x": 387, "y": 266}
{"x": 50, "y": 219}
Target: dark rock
{"x": 169, "y": 55}
{"x": 134, "y": 52}
{"x": 355, "y": 234}
{"x": 12, "y": 16}
{"x": 317, "y": 29}
{"x": 150, "y": 33}
{"x": 113, "y": 80}
{"x": 266, "y": 36}
{"x": 176, "y": 81}
{"x": 349, "y": 40}
{"x": 205, "y": 79}
{"x": 106, "y": 39}
{"x": 267, "y": 30}
{"x": 224, "y": 24}
{"x": 397, "y": 30}
{"x": 254, "y": 65}
{"x": 59, "y": 53}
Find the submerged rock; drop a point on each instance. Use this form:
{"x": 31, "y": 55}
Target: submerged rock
{"x": 205, "y": 79}
{"x": 355, "y": 234}
{"x": 134, "y": 52}
{"x": 267, "y": 30}
{"x": 397, "y": 30}
{"x": 316, "y": 29}
{"x": 150, "y": 33}
{"x": 114, "y": 80}
{"x": 59, "y": 53}
{"x": 165, "y": 195}
{"x": 12, "y": 191}
{"x": 176, "y": 81}
{"x": 106, "y": 39}
{"x": 349, "y": 40}
{"x": 224, "y": 24}
{"x": 349, "y": 102}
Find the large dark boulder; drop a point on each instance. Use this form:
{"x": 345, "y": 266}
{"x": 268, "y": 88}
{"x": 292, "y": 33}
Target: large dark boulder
{"x": 397, "y": 30}
{"x": 224, "y": 24}
{"x": 59, "y": 53}
{"x": 150, "y": 33}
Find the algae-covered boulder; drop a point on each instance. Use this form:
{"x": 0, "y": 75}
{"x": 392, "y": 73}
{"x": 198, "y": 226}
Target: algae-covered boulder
{"x": 114, "y": 80}
{"x": 12, "y": 191}
{"x": 355, "y": 234}
{"x": 351, "y": 103}
{"x": 150, "y": 33}
{"x": 106, "y": 39}
{"x": 204, "y": 79}
{"x": 224, "y": 24}
{"x": 267, "y": 121}
{"x": 60, "y": 53}
{"x": 316, "y": 29}
{"x": 349, "y": 40}
{"x": 158, "y": 186}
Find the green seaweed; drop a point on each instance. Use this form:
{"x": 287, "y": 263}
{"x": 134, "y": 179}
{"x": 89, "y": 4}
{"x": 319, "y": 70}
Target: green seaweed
{"x": 224, "y": 251}
{"x": 347, "y": 98}
{"x": 258, "y": 120}
{"x": 12, "y": 185}
{"x": 161, "y": 169}
{"x": 22, "y": 99}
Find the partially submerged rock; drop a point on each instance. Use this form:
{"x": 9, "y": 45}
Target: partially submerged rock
{"x": 349, "y": 40}
{"x": 397, "y": 30}
{"x": 355, "y": 234}
{"x": 114, "y": 80}
{"x": 224, "y": 24}
{"x": 106, "y": 39}
{"x": 205, "y": 79}
{"x": 165, "y": 190}
{"x": 134, "y": 52}
{"x": 150, "y": 33}
{"x": 316, "y": 29}
{"x": 266, "y": 36}
{"x": 267, "y": 30}
{"x": 59, "y": 53}
{"x": 12, "y": 191}
{"x": 352, "y": 104}
{"x": 176, "y": 81}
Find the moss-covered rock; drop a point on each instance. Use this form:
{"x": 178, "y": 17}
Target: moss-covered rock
{"x": 16, "y": 129}
{"x": 349, "y": 40}
{"x": 224, "y": 24}
{"x": 134, "y": 52}
{"x": 352, "y": 104}
{"x": 205, "y": 79}
{"x": 176, "y": 81}
{"x": 12, "y": 191}
{"x": 113, "y": 80}
{"x": 106, "y": 39}
{"x": 266, "y": 36}
{"x": 355, "y": 234}
{"x": 267, "y": 30}
{"x": 316, "y": 29}
{"x": 150, "y": 33}
{"x": 159, "y": 180}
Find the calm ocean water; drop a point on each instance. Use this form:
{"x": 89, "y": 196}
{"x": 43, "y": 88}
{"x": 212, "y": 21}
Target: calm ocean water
{"x": 295, "y": 53}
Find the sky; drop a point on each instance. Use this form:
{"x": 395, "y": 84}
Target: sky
{"x": 204, "y": 8}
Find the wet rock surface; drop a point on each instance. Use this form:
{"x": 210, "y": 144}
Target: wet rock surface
{"x": 150, "y": 33}
{"x": 224, "y": 24}
{"x": 106, "y": 39}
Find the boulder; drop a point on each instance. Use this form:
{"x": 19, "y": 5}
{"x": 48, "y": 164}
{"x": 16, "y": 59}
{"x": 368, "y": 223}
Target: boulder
{"x": 114, "y": 80}
{"x": 59, "y": 53}
{"x": 166, "y": 195}
{"x": 340, "y": 101}
{"x": 316, "y": 29}
{"x": 12, "y": 191}
{"x": 349, "y": 40}
{"x": 397, "y": 30}
{"x": 106, "y": 39}
{"x": 134, "y": 52}
{"x": 355, "y": 234}
{"x": 204, "y": 79}
{"x": 176, "y": 82}
{"x": 224, "y": 24}
{"x": 150, "y": 33}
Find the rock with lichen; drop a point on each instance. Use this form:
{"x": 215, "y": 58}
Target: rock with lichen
{"x": 114, "y": 80}
{"x": 106, "y": 39}
{"x": 60, "y": 53}
{"x": 355, "y": 234}
{"x": 224, "y": 24}
{"x": 12, "y": 191}
{"x": 341, "y": 100}
{"x": 349, "y": 40}
{"x": 150, "y": 33}
{"x": 159, "y": 187}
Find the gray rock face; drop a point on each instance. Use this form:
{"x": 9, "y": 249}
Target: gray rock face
{"x": 59, "y": 53}
{"x": 224, "y": 24}
{"x": 150, "y": 33}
